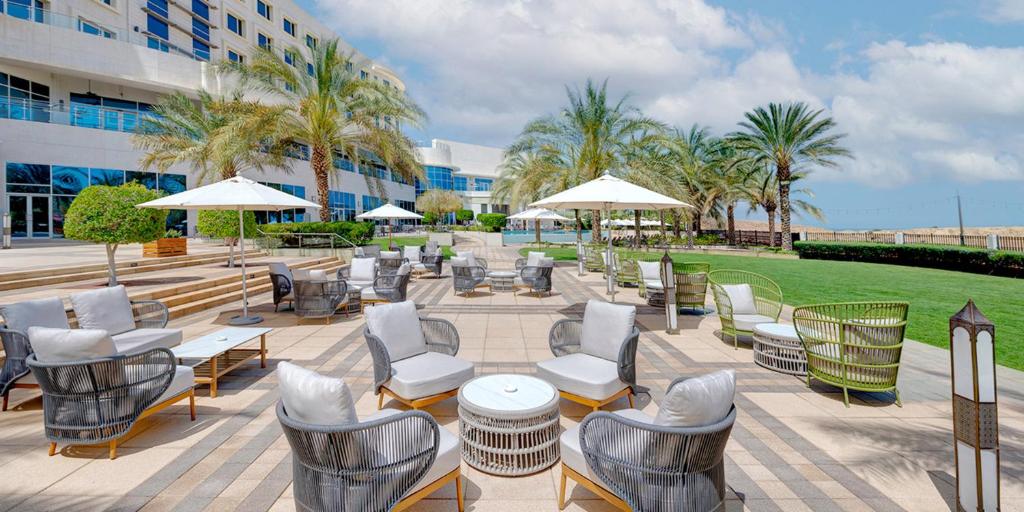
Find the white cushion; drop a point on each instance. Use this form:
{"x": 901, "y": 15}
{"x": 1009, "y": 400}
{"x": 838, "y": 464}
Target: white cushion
{"x": 279, "y": 268}
{"x": 428, "y": 374}
{"x": 546, "y": 262}
{"x": 533, "y": 258}
{"x": 107, "y": 308}
{"x": 654, "y": 284}
{"x": 650, "y": 270}
{"x": 699, "y": 401}
{"x": 300, "y": 274}
{"x": 448, "y": 456}
{"x": 747, "y": 322}
{"x": 317, "y": 275}
{"x": 355, "y": 285}
{"x": 390, "y": 254}
{"x": 470, "y": 257}
{"x": 572, "y": 452}
{"x": 368, "y": 293}
{"x": 583, "y": 375}
{"x": 412, "y": 253}
{"x": 183, "y": 380}
{"x": 398, "y": 326}
{"x": 362, "y": 269}
{"x": 141, "y": 340}
{"x": 605, "y": 327}
{"x": 741, "y": 296}
{"x": 67, "y": 345}
{"x": 419, "y": 267}
{"x": 406, "y": 268}
{"x": 313, "y": 398}
{"x": 35, "y": 313}
{"x": 457, "y": 261}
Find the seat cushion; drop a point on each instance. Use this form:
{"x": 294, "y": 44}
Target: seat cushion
{"x": 457, "y": 261}
{"x": 605, "y": 327}
{"x": 448, "y": 456}
{"x": 358, "y": 284}
{"x": 35, "y": 313}
{"x": 572, "y": 452}
{"x": 398, "y": 326}
{"x": 741, "y": 296}
{"x": 317, "y": 275}
{"x": 391, "y": 255}
{"x": 419, "y": 267}
{"x": 68, "y": 345}
{"x": 412, "y": 253}
{"x": 698, "y": 401}
{"x": 653, "y": 284}
{"x": 362, "y": 270}
{"x": 140, "y": 340}
{"x": 107, "y": 308}
{"x": 184, "y": 379}
{"x": 368, "y": 293}
{"x": 747, "y": 322}
{"x": 313, "y": 398}
{"x": 583, "y": 375}
{"x": 428, "y": 374}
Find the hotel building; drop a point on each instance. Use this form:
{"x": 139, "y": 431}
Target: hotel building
{"x": 467, "y": 169}
{"x": 77, "y": 77}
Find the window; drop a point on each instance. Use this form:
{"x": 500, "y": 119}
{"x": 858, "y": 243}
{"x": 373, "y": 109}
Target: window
{"x": 159, "y": 31}
{"x": 482, "y": 184}
{"x": 309, "y": 69}
{"x": 342, "y": 162}
{"x": 363, "y": 74}
{"x": 199, "y": 8}
{"x": 370, "y": 202}
{"x": 311, "y": 42}
{"x": 348, "y": 67}
{"x": 200, "y": 49}
{"x": 200, "y": 30}
{"x": 114, "y": 114}
{"x": 94, "y": 29}
{"x": 264, "y": 40}
{"x": 483, "y": 208}
{"x": 159, "y": 7}
{"x": 236, "y": 25}
{"x": 234, "y": 56}
{"x": 264, "y": 9}
{"x": 108, "y": 177}
{"x": 437, "y": 177}
{"x": 289, "y": 27}
{"x": 387, "y": 83}
{"x": 23, "y": 99}
{"x": 342, "y": 205}
{"x": 289, "y": 57}
{"x": 295, "y": 215}
{"x": 460, "y": 183}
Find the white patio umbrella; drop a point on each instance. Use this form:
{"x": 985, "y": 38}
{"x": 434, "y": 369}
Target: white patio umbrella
{"x": 388, "y": 212}
{"x": 238, "y": 193}
{"x": 537, "y": 215}
{"x": 609, "y": 193}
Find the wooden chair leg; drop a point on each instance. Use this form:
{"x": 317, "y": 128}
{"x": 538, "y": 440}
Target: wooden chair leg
{"x": 561, "y": 493}
{"x": 380, "y": 401}
{"x": 53, "y": 449}
{"x": 458, "y": 494}
{"x": 192, "y": 404}
{"x": 630, "y": 398}
{"x": 113, "y": 449}
{"x": 6, "y": 398}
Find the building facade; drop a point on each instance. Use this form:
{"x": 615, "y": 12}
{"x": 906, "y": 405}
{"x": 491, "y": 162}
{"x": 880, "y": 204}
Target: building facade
{"x": 467, "y": 169}
{"x": 78, "y": 76}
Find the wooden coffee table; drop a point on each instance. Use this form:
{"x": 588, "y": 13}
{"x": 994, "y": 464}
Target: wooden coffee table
{"x": 218, "y": 353}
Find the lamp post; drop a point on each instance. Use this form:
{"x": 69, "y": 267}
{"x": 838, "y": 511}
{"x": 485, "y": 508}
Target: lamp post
{"x": 975, "y": 410}
{"x": 6, "y": 231}
{"x": 668, "y": 279}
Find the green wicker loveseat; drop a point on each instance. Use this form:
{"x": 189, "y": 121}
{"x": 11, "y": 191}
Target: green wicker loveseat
{"x": 592, "y": 259}
{"x": 691, "y": 284}
{"x": 626, "y": 271}
{"x": 854, "y": 345}
{"x": 741, "y": 307}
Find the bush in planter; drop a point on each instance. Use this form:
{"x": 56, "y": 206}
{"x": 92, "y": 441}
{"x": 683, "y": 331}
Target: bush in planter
{"x": 430, "y": 218}
{"x": 224, "y": 224}
{"x": 464, "y": 215}
{"x": 492, "y": 221}
{"x": 963, "y": 259}
{"x": 107, "y": 215}
{"x": 359, "y": 233}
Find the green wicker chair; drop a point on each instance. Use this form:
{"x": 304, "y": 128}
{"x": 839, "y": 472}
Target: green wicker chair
{"x": 691, "y": 284}
{"x": 626, "y": 271}
{"x": 592, "y": 259}
{"x": 855, "y": 345}
{"x": 767, "y": 302}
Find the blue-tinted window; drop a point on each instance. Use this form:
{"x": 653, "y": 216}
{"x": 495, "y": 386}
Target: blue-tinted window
{"x": 115, "y": 114}
{"x": 289, "y": 58}
{"x": 235, "y": 57}
{"x": 172, "y": 183}
{"x": 94, "y": 29}
{"x": 363, "y": 74}
{"x": 69, "y": 180}
{"x": 289, "y": 27}
{"x": 200, "y": 49}
{"x": 264, "y": 9}
{"x": 370, "y": 202}
{"x": 159, "y": 29}
{"x": 146, "y": 179}
{"x": 342, "y": 162}
{"x": 200, "y": 9}
{"x": 437, "y": 177}
{"x": 159, "y": 7}
{"x": 200, "y": 29}
{"x": 30, "y": 178}
{"x": 311, "y": 42}
{"x": 109, "y": 177}
{"x": 264, "y": 40}
{"x": 483, "y": 184}
{"x": 309, "y": 69}
{"x": 23, "y": 99}
{"x": 236, "y": 25}
{"x": 342, "y": 204}
{"x": 460, "y": 183}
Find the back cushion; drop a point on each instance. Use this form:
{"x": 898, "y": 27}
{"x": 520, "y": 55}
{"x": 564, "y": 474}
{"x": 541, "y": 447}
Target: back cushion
{"x": 459, "y": 262}
{"x": 741, "y": 296}
{"x": 533, "y": 258}
{"x": 699, "y": 401}
{"x": 412, "y": 253}
{"x": 398, "y": 326}
{"x": 650, "y": 270}
{"x": 108, "y": 309}
{"x": 390, "y": 254}
{"x": 318, "y": 275}
{"x": 65, "y": 345}
{"x": 605, "y": 327}
{"x": 35, "y": 313}
{"x": 404, "y": 269}
{"x": 363, "y": 269}
{"x": 313, "y": 398}
{"x": 280, "y": 269}
{"x": 470, "y": 257}
{"x": 546, "y": 262}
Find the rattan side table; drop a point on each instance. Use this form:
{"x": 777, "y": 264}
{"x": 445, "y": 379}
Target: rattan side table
{"x": 509, "y": 424}
{"x": 777, "y": 347}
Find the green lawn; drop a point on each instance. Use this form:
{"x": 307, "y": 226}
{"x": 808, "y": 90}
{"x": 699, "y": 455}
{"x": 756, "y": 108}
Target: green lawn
{"x": 402, "y": 241}
{"x": 934, "y": 295}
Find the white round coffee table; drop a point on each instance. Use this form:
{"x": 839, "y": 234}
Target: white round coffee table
{"x": 502, "y": 280}
{"x": 509, "y": 424}
{"x": 777, "y": 347}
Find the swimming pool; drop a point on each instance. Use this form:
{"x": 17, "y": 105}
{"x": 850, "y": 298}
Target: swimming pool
{"x": 525, "y": 236}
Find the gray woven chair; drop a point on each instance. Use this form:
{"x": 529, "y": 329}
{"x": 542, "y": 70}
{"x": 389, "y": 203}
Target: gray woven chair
{"x": 531, "y": 260}
{"x": 359, "y": 273}
{"x": 368, "y": 251}
{"x": 320, "y": 299}
{"x": 432, "y": 248}
{"x": 585, "y": 378}
{"x": 15, "y": 372}
{"x": 431, "y": 263}
{"x": 637, "y": 465}
{"x": 372, "y": 465}
{"x": 388, "y": 264}
{"x": 99, "y": 400}
{"x": 282, "y": 286}
{"x": 536, "y": 279}
{"x": 467, "y": 278}
{"x": 389, "y": 288}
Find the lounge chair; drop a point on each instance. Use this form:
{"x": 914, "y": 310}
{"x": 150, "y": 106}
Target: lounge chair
{"x": 387, "y": 461}
{"x": 531, "y": 260}
{"x": 595, "y": 358}
{"x": 368, "y": 251}
{"x": 318, "y": 297}
{"x": 18, "y": 318}
{"x": 466, "y": 277}
{"x": 472, "y": 259}
{"x": 388, "y": 288}
{"x": 390, "y": 261}
{"x": 413, "y": 358}
{"x": 359, "y": 273}
{"x": 592, "y": 259}
{"x": 536, "y": 278}
{"x": 744, "y": 299}
{"x": 691, "y": 284}
{"x": 626, "y": 271}
{"x": 652, "y": 287}
{"x": 283, "y": 282}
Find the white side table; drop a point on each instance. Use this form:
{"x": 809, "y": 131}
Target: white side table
{"x": 509, "y": 424}
{"x": 502, "y": 280}
{"x": 777, "y": 347}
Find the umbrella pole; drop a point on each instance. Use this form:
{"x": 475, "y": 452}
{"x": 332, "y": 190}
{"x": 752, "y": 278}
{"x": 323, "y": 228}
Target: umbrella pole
{"x": 610, "y": 261}
{"x": 536, "y": 231}
{"x": 244, "y": 319}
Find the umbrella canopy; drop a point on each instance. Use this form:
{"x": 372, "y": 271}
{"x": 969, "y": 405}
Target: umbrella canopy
{"x": 239, "y": 194}
{"x": 388, "y": 211}
{"x": 539, "y": 214}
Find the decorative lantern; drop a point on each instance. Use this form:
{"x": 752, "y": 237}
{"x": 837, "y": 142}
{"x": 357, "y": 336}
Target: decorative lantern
{"x": 668, "y": 279}
{"x": 975, "y": 411}
{"x": 579, "y": 257}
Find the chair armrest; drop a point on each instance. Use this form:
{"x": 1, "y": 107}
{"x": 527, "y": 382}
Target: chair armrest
{"x": 481, "y": 262}
{"x": 564, "y": 337}
{"x": 520, "y": 263}
{"x": 381, "y": 360}
{"x": 344, "y": 272}
{"x": 16, "y": 350}
{"x": 149, "y": 314}
{"x": 478, "y": 272}
{"x": 441, "y": 335}
{"x": 627, "y": 358}
{"x": 386, "y": 282}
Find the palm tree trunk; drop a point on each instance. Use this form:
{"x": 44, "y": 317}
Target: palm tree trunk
{"x": 676, "y": 229}
{"x": 689, "y": 233}
{"x": 636, "y": 226}
{"x": 596, "y": 216}
{"x": 579, "y": 227}
{"x": 771, "y": 228}
{"x": 661, "y": 219}
{"x": 320, "y": 161}
{"x": 787, "y": 236}
{"x": 730, "y": 223}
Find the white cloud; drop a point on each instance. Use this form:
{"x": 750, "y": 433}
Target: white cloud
{"x": 1003, "y": 11}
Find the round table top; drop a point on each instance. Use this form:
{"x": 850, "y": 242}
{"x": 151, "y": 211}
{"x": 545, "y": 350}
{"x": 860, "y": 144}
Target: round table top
{"x": 507, "y": 393}
{"x": 501, "y": 273}
{"x": 783, "y": 331}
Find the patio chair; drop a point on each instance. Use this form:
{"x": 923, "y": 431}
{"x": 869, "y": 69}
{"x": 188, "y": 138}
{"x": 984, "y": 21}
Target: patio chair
{"x": 281, "y": 280}
{"x": 744, "y": 299}
{"x": 592, "y": 259}
{"x": 674, "y": 461}
{"x": 432, "y": 248}
{"x": 855, "y": 345}
{"x": 466, "y": 278}
{"x": 536, "y": 278}
{"x": 413, "y": 358}
{"x": 472, "y": 259}
{"x": 318, "y": 297}
{"x": 652, "y": 284}
{"x": 340, "y": 462}
{"x": 691, "y": 284}
{"x": 92, "y": 393}
{"x": 390, "y": 261}
{"x": 359, "y": 273}
{"x": 627, "y": 273}
{"x": 18, "y": 318}
{"x": 368, "y": 251}
{"x": 530, "y": 260}
{"x": 388, "y": 288}
{"x": 595, "y": 358}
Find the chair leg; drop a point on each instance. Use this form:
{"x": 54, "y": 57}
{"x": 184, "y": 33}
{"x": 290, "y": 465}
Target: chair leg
{"x": 846, "y": 397}
{"x": 53, "y": 449}
{"x": 899, "y": 403}
{"x": 380, "y": 401}
{"x": 460, "y": 500}
{"x": 192, "y": 404}
{"x": 561, "y": 492}
{"x": 630, "y": 398}
{"x": 6, "y": 398}
{"x": 113, "y": 449}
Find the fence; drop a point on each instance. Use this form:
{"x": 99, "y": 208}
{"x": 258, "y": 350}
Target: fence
{"x": 991, "y": 241}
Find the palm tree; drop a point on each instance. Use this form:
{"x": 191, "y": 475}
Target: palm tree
{"x": 334, "y": 110}
{"x": 789, "y": 136}
{"x": 588, "y": 137}
{"x": 692, "y": 153}
{"x": 764, "y": 194}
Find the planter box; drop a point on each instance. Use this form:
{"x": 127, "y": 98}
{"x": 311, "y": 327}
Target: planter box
{"x": 164, "y": 247}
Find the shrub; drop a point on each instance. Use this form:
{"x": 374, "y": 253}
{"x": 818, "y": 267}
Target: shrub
{"x": 359, "y": 233}
{"x": 492, "y": 221}
{"x": 429, "y": 218}
{"x": 224, "y": 224}
{"x": 464, "y": 215}
{"x": 107, "y": 215}
{"x": 962, "y": 259}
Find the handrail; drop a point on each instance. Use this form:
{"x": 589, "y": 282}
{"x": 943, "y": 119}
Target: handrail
{"x": 74, "y": 114}
{"x": 331, "y": 236}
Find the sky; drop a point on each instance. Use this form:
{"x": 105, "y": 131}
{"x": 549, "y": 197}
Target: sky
{"x": 930, "y": 94}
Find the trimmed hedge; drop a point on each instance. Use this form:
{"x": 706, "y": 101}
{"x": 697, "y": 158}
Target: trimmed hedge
{"x": 962, "y": 259}
{"x": 492, "y": 221}
{"x": 360, "y": 233}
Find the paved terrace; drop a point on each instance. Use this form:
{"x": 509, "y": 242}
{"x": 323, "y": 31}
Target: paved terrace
{"x": 792, "y": 448}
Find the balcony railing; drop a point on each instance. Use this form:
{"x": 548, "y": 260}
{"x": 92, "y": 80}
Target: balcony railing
{"x": 15, "y": 9}
{"x": 76, "y": 114}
